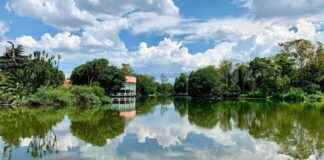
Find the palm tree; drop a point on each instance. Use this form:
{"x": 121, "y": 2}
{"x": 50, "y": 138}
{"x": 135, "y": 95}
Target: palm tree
{"x": 13, "y": 57}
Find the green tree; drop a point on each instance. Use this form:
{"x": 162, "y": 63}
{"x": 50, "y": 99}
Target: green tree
{"x": 39, "y": 70}
{"x": 225, "y": 71}
{"x": 99, "y": 72}
{"x": 13, "y": 58}
{"x": 204, "y": 82}
{"x": 181, "y": 84}
{"x": 302, "y": 50}
{"x": 242, "y": 77}
{"x": 127, "y": 69}
{"x": 146, "y": 85}
{"x": 165, "y": 88}
{"x": 25, "y": 74}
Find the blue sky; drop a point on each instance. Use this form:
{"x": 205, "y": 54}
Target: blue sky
{"x": 158, "y": 36}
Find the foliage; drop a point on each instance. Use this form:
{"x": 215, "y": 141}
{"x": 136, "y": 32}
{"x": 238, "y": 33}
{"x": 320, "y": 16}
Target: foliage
{"x": 298, "y": 67}
{"x": 89, "y": 95}
{"x": 165, "y": 88}
{"x": 99, "y": 72}
{"x": 17, "y": 124}
{"x": 73, "y": 96}
{"x": 181, "y": 85}
{"x": 39, "y": 70}
{"x": 127, "y": 70}
{"x": 13, "y": 58}
{"x": 263, "y": 120}
{"x": 204, "y": 82}
{"x": 145, "y": 86}
{"x": 96, "y": 126}
{"x": 295, "y": 95}
{"x": 25, "y": 74}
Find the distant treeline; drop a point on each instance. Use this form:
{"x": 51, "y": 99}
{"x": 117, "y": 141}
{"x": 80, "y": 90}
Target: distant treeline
{"x": 291, "y": 74}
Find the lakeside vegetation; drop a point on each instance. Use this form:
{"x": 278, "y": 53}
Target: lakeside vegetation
{"x": 295, "y": 74}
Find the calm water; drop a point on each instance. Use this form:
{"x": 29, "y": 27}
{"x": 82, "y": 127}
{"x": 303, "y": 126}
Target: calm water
{"x": 165, "y": 130}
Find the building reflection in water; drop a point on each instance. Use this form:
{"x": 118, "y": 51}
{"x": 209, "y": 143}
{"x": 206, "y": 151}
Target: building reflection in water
{"x": 126, "y": 106}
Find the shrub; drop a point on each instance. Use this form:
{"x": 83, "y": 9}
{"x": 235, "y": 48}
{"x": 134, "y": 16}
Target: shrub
{"x": 73, "y": 96}
{"x": 295, "y": 95}
{"x": 256, "y": 94}
{"x": 89, "y": 96}
{"x": 51, "y": 96}
{"x": 315, "y": 98}
{"x": 312, "y": 88}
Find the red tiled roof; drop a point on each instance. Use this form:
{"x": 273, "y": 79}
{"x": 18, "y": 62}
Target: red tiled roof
{"x": 130, "y": 79}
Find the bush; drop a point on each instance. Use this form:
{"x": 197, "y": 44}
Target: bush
{"x": 73, "y": 96}
{"x": 256, "y": 94}
{"x": 312, "y": 88}
{"x": 295, "y": 95}
{"x": 89, "y": 96}
{"x": 315, "y": 97}
{"x": 51, "y": 96}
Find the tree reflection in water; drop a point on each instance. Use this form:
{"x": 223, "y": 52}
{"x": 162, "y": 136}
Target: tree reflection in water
{"x": 297, "y": 128}
{"x": 41, "y": 146}
{"x": 298, "y": 135}
{"x": 96, "y": 125}
{"x": 33, "y": 124}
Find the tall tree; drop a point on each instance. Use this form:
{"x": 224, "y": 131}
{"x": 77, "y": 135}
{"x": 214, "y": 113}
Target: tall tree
{"x": 302, "y": 50}
{"x": 181, "y": 85}
{"x": 205, "y": 82}
{"x": 13, "y": 58}
{"x": 242, "y": 77}
{"x": 146, "y": 85}
{"x": 127, "y": 69}
{"x": 99, "y": 71}
{"x": 225, "y": 70}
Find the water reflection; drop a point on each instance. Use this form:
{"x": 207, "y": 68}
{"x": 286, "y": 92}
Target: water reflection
{"x": 126, "y": 107}
{"x": 30, "y": 127}
{"x": 96, "y": 126}
{"x": 165, "y": 129}
{"x": 298, "y": 129}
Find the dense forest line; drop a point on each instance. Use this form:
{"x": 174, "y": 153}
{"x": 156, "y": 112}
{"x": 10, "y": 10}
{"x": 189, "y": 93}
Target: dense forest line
{"x": 294, "y": 74}
{"x": 297, "y": 71}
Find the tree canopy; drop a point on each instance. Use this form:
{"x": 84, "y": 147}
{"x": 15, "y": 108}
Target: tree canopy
{"x": 204, "y": 82}
{"x": 146, "y": 85}
{"x": 25, "y": 74}
{"x": 298, "y": 66}
{"x": 99, "y": 72}
{"x": 181, "y": 84}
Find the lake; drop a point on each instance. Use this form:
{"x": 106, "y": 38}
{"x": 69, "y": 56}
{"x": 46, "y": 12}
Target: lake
{"x": 165, "y": 129}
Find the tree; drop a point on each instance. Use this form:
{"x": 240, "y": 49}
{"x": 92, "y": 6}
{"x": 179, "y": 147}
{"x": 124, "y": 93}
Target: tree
{"x": 302, "y": 50}
{"x": 39, "y": 70}
{"x": 13, "y": 58}
{"x": 146, "y": 85}
{"x": 181, "y": 85}
{"x": 242, "y": 77}
{"x": 99, "y": 72}
{"x": 165, "y": 88}
{"x": 266, "y": 75}
{"x": 320, "y": 64}
{"x": 225, "y": 71}
{"x": 127, "y": 69}
{"x": 309, "y": 57}
{"x": 25, "y": 74}
{"x": 204, "y": 82}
